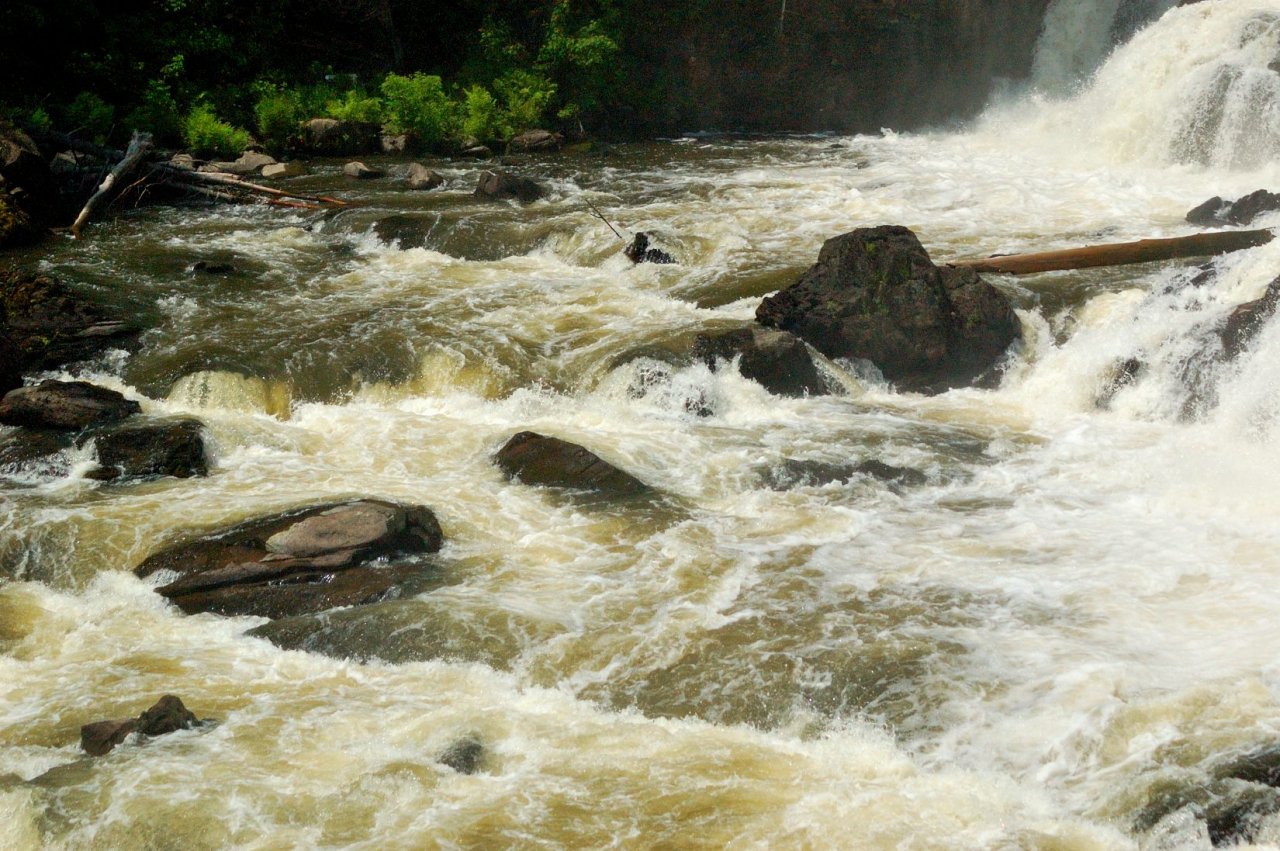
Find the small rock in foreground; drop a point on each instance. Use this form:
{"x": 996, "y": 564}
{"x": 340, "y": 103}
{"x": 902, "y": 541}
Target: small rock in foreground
{"x": 168, "y": 715}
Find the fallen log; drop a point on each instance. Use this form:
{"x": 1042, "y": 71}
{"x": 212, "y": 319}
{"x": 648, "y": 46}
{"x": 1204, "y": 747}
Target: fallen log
{"x": 139, "y": 147}
{"x": 182, "y": 175}
{"x": 1121, "y": 254}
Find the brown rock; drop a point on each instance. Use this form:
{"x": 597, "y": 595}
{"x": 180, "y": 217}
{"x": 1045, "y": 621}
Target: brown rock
{"x": 538, "y": 460}
{"x": 156, "y": 448}
{"x": 421, "y": 177}
{"x": 360, "y": 171}
{"x": 777, "y": 360}
{"x": 504, "y": 186}
{"x": 64, "y": 405}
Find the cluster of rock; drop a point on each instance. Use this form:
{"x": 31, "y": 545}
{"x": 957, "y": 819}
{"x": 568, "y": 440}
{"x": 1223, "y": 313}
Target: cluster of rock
{"x": 167, "y": 715}
{"x": 1242, "y": 211}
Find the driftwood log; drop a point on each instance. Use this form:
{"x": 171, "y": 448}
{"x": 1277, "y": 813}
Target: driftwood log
{"x": 1120, "y": 254}
{"x": 139, "y": 147}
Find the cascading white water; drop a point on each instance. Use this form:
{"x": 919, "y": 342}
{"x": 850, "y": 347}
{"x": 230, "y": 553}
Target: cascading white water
{"x": 1076, "y": 613}
{"x": 1077, "y": 35}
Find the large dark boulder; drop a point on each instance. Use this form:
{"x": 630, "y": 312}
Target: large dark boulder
{"x": 1242, "y": 211}
{"x": 156, "y": 448}
{"x": 504, "y": 186}
{"x": 70, "y": 405}
{"x": 44, "y": 325}
{"x": 338, "y": 554}
{"x": 777, "y": 360}
{"x": 539, "y": 460}
{"x": 875, "y": 295}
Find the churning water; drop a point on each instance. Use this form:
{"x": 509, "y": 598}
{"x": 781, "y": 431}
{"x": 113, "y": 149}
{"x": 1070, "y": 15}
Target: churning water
{"x": 1076, "y": 613}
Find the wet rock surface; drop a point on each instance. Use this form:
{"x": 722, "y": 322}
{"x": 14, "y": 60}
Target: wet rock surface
{"x": 1233, "y": 802}
{"x": 536, "y": 459}
{"x": 777, "y": 360}
{"x": 156, "y": 448}
{"x": 45, "y": 325}
{"x": 422, "y": 178}
{"x": 337, "y": 554}
{"x": 70, "y": 405}
{"x": 793, "y": 473}
{"x": 167, "y": 715}
{"x": 465, "y": 756}
{"x": 875, "y": 295}
{"x": 639, "y": 251}
{"x": 505, "y": 186}
{"x": 1242, "y": 211}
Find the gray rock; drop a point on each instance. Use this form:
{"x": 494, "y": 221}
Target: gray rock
{"x": 421, "y": 177}
{"x": 360, "y": 171}
{"x": 289, "y": 169}
{"x": 347, "y": 527}
{"x": 536, "y": 141}
{"x": 504, "y": 186}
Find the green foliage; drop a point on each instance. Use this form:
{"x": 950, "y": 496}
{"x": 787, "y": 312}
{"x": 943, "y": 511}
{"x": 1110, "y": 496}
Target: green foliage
{"x": 525, "y": 96}
{"x": 89, "y": 115}
{"x": 207, "y": 135}
{"x": 278, "y": 114}
{"x": 582, "y": 57}
{"x": 419, "y": 105}
{"x": 355, "y": 106}
{"x": 157, "y": 112}
{"x": 39, "y": 119}
{"x": 482, "y": 116}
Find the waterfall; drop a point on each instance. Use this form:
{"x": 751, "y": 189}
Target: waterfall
{"x": 1078, "y": 35}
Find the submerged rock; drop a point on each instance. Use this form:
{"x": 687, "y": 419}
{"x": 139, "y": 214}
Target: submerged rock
{"x": 167, "y": 715}
{"x": 777, "y": 360}
{"x": 300, "y": 562}
{"x": 156, "y": 448}
{"x": 539, "y": 460}
{"x": 504, "y": 186}
{"x": 875, "y": 295}
{"x": 1244, "y": 323}
{"x": 793, "y": 473}
{"x": 69, "y": 405}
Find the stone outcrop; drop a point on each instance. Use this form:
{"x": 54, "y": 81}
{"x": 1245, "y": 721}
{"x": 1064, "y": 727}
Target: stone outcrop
{"x": 69, "y": 405}
{"x": 539, "y": 460}
{"x": 167, "y": 715}
{"x": 505, "y": 186}
{"x": 1242, "y": 211}
{"x": 875, "y": 295}
{"x": 44, "y": 325}
{"x": 777, "y": 360}
{"x": 338, "y": 554}
{"x": 150, "y": 448}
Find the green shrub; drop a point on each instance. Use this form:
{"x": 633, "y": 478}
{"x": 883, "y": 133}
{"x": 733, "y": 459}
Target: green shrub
{"x": 157, "y": 113}
{"x": 89, "y": 115}
{"x": 209, "y": 136}
{"x": 525, "y": 96}
{"x": 278, "y": 113}
{"x": 482, "y": 117}
{"x": 419, "y": 105}
{"x": 356, "y": 106}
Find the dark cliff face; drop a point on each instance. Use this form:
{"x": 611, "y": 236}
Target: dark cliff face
{"x": 844, "y": 65}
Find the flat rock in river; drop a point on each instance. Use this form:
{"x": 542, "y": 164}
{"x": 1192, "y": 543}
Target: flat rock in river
{"x": 304, "y": 561}
{"x": 67, "y": 405}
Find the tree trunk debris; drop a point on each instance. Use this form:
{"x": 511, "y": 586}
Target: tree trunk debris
{"x": 1120, "y": 254}
{"x": 139, "y": 147}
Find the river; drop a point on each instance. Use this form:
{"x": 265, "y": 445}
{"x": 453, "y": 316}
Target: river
{"x": 1076, "y": 612}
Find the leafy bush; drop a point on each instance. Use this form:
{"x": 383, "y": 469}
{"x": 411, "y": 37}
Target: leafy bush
{"x": 279, "y": 113}
{"x": 89, "y": 115}
{"x": 419, "y": 105}
{"x": 525, "y": 96}
{"x": 482, "y": 117}
{"x": 207, "y": 135}
{"x": 157, "y": 113}
{"x": 356, "y": 106}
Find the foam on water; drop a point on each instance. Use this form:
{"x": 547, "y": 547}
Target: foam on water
{"x": 1077, "y": 605}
